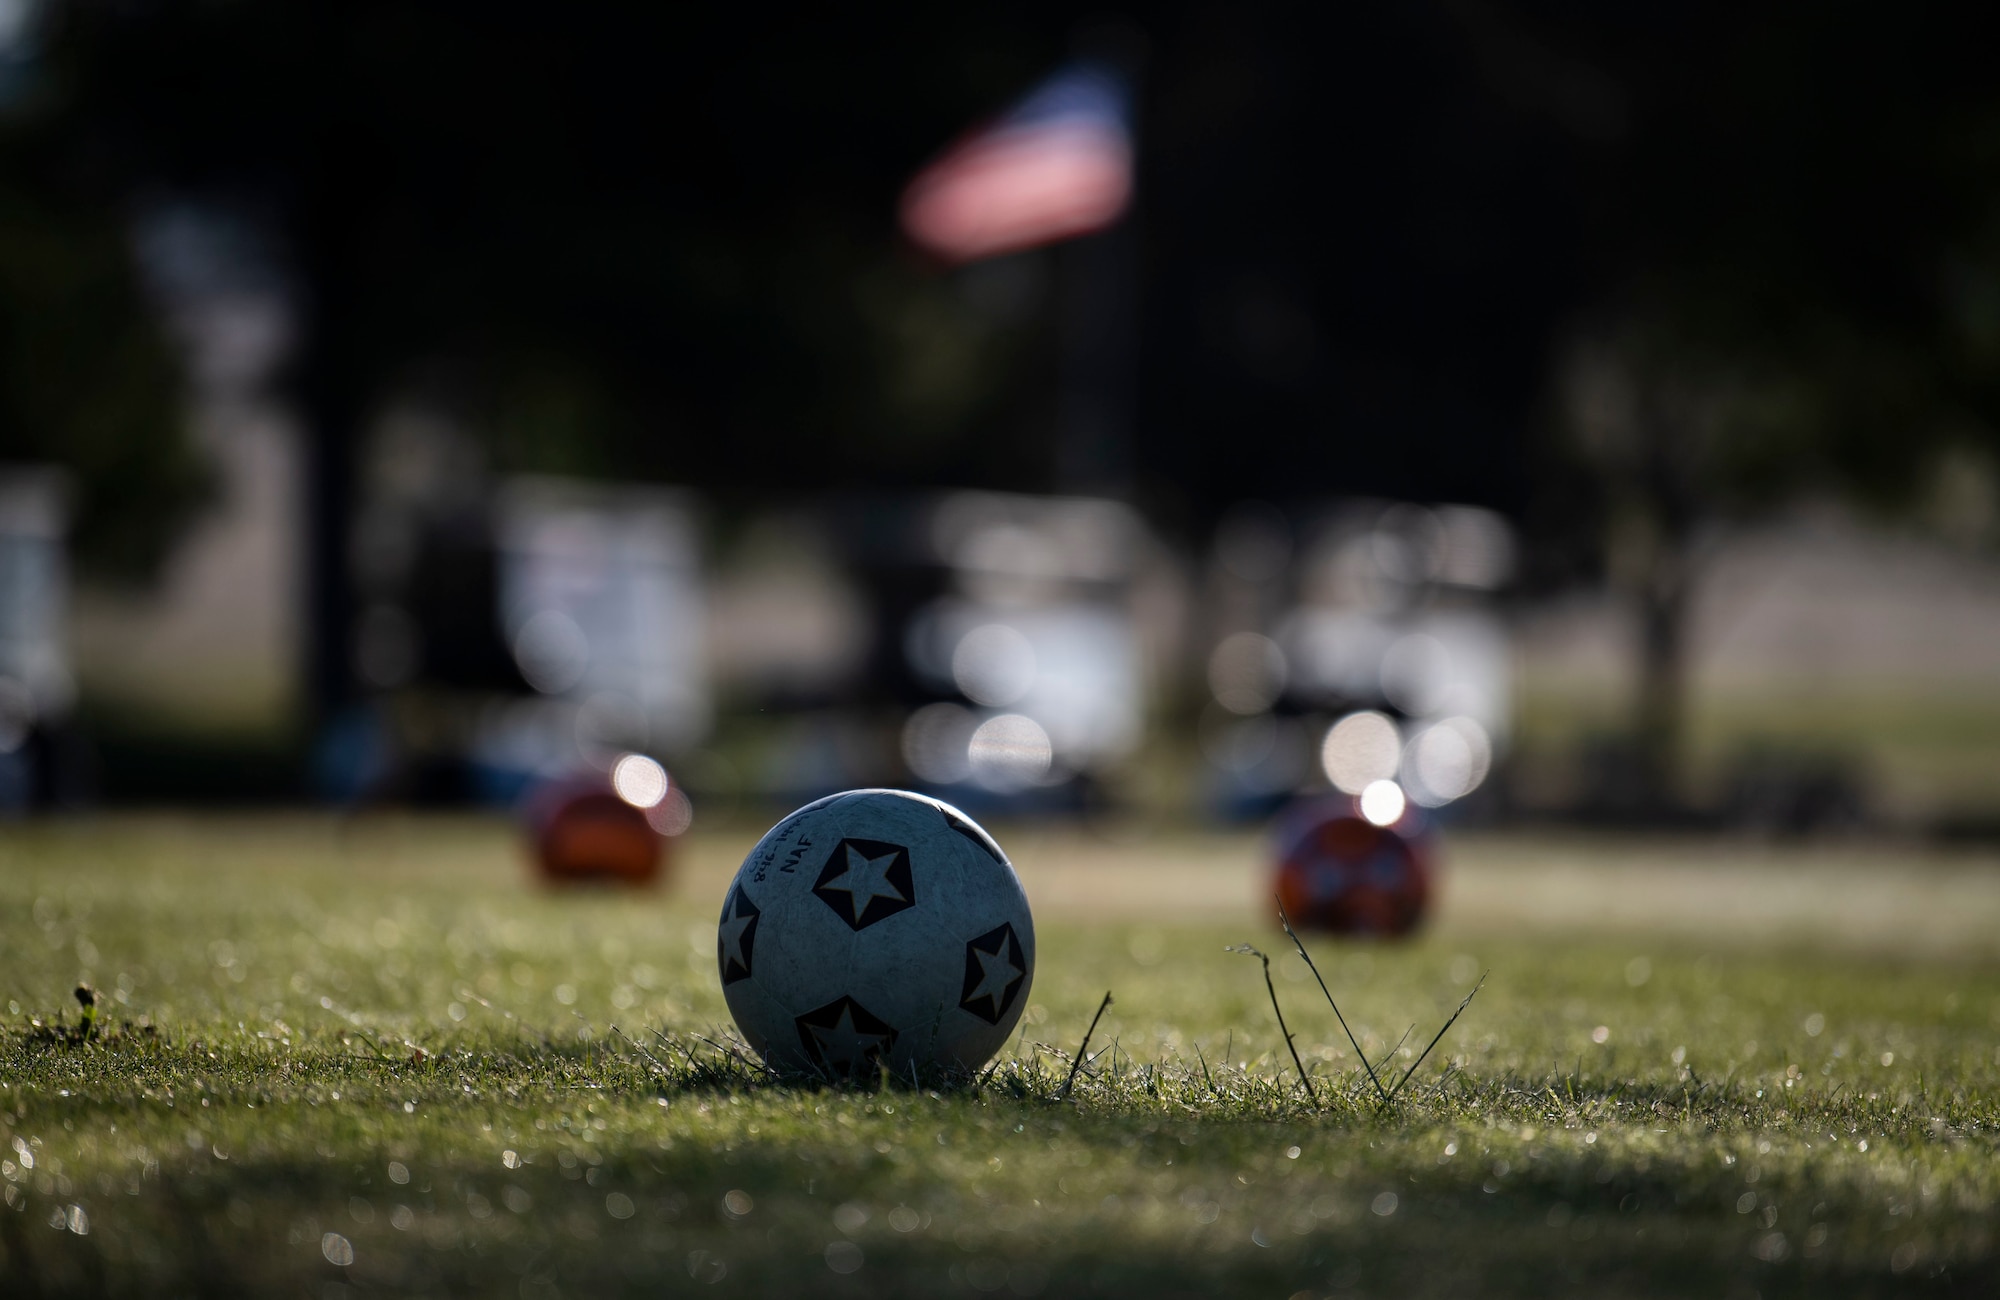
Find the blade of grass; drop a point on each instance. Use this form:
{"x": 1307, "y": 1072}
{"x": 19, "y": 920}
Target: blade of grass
{"x": 1304, "y": 1078}
{"x": 1390, "y": 1055}
{"x": 1440, "y": 1034}
{"x": 1373, "y": 1078}
{"x": 1077, "y": 1064}
{"x": 639, "y": 1047}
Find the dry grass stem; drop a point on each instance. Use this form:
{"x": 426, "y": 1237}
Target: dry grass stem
{"x": 1083, "y": 1048}
{"x": 1373, "y": 1078}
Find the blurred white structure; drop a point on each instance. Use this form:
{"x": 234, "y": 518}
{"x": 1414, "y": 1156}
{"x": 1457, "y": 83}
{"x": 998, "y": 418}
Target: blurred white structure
{"x": 36, "y": 688}
{"x": 220, "y": 625}
{"x": 1034, "y": 645}
{"x": 602, "y": 604}
{"x": 1370, "y": 653}
{"x": 34, "y": 599}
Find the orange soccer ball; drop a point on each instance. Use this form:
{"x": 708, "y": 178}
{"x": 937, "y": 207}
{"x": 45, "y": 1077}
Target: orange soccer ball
{"x": 584, "y": 832}
{"x": 1342, "y": 874}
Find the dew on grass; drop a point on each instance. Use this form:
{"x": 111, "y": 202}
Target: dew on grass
{"x": 399, "y": 1173}
{"x": 736, "y": 1203}
{"x": 517, "y": 1200}
{"x": 619, "y": 1206}
{"x": 905, "y": 1219}
{"x": 843, "y": 1257}
{"x": 401, "y": 1218}
{"x": 1385, "y": 1204}
{"x": 1815, "y": 1025}
{"x": 1601, "y": 1034}
{"x": 1638, "y": 971}
{"x": 850, "y": 1217}
{"x": 339, "y": 1251}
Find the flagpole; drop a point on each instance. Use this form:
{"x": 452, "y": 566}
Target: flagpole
{"x": 1094, "y": 411}
{"x": 1097, "y": 299}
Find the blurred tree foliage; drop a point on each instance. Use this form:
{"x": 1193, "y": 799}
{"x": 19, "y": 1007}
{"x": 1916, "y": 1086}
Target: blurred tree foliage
{"x": 1791, "y": 283}
{"x": 1794, "y": 251}
{"x": 658, "y": 241}
{"x": 635, "y": 241}
{"x": 1762, "y": 247}
{"x": 87, "y": 380}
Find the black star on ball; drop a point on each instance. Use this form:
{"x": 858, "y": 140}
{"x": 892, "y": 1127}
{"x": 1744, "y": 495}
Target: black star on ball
{"x": 844, "y": 1037}
{"x": 866, "y": 880}
{"x": 736, "y": 938}
{"x": 994, "y": 969}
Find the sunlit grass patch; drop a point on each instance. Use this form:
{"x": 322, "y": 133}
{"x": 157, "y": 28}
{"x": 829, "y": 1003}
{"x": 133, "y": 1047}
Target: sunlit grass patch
{"x": 382, "y": 1062}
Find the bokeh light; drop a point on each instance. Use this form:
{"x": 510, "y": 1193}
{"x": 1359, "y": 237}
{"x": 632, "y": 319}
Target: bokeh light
{"x": 936, "y": 743}
{"x": 994, "y": 665}
{"x": 1247, "y": 673}
{"x": 1010, "y": 752}
{"x": 639, "y": 781}
{"x": 673, "y": 814}
{"x": 1382, "y": 802}
{"x": 1446, "y": 761}
{"x": 1360, "y": 749}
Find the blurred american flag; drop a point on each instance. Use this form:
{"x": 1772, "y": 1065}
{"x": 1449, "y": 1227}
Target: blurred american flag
{"x": 1056, "y": 165}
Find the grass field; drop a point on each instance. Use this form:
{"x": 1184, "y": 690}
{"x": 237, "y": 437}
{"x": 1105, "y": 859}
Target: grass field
{"x": 339, "y": 1059}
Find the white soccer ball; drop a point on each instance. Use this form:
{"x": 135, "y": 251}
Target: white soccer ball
{"x": 876, "y": 928}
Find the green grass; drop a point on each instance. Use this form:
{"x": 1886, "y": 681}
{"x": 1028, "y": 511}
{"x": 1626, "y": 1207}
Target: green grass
{"x": 1923, "y": 753}
{"x": 377, "y": 1038}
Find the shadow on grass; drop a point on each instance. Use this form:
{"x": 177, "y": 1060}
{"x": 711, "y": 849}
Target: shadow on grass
{"x": 291, "y": 1228}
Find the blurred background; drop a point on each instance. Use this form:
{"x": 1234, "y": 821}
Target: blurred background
{"x": 1568, "y": 414}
